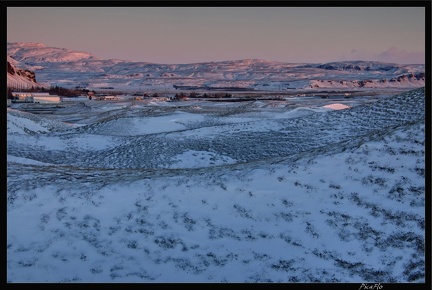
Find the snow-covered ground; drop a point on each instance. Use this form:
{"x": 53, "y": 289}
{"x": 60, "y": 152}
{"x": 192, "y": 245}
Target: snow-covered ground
{"x": 218, "y": 192}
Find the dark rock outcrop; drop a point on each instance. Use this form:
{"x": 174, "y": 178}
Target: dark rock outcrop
{"x": 30, "y": 75}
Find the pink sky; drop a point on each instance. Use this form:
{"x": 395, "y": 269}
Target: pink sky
{"x": 196, "y": 34}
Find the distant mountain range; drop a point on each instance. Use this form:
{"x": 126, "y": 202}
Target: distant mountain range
{"x": 72, "y": 69}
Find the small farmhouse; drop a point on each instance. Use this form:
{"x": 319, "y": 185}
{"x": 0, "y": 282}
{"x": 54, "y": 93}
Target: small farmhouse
{"x": 110, "y": 98}
{"x": 100, "y": 97}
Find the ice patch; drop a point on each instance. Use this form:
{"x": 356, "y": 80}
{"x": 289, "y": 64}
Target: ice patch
{"x": 149, "y": 125}
{"x": 336, "y": 106}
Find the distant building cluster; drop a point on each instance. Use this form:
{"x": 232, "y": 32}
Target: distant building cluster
{"x": 35, "y": 97}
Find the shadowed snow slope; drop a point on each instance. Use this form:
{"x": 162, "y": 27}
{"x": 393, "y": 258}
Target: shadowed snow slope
{"x": 330, "y": 196}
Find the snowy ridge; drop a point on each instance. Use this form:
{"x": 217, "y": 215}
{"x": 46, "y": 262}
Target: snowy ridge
{"x": 221, "y": 195}
{"x": 67, "y": 68}
{"x": 18, "y": 78}
{"x": 38, "y": 52}
{"x": 27, "y": 123}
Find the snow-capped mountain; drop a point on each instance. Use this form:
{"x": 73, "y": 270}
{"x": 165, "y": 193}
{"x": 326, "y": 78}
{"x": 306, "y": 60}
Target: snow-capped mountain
{"x": 19, "y": 78}
{"x": 68, "y": 68}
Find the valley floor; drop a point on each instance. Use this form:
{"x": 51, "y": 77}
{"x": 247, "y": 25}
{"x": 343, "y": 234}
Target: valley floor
{"x": 217, "y": 193}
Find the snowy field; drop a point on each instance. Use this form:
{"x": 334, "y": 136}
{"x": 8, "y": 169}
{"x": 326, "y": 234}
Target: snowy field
{"x": 258, "y": 191}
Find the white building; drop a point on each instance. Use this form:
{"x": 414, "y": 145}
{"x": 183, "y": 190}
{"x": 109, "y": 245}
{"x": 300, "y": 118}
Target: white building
{"x": 40, "y": 94}
{"x": 46, "y": 99}
{"x": 33, "y": 97}
{"x": 23, "y": 97}
{"x": 21, "y": 94}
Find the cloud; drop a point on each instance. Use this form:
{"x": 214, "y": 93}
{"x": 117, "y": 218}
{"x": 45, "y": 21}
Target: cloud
{"x": 359, "y": 54}
{"x": 396, "y": 55}
{"x": 392, "y": 55}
